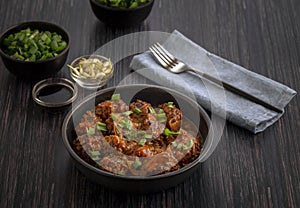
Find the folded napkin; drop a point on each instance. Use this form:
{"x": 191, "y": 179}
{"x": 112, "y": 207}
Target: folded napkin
{"x": 239, "y": 110}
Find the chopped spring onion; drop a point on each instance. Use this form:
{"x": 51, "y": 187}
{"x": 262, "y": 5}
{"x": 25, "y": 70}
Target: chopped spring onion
{"x": 140, "y": 133}
{"x": 160, "y": 111}
{"x": 121, "y": 125}
{"x": 137, "y": 163}
{"x": 148, "y": 136}
{"x": 168, "y": 132}
{"x": 179, "y": 146}
{"x": 174, "y": 144}
{"x": 161, "y": 117}
{"x": 162, "y": 120}
{"x": 151, "y": 109}
{"x": 126, "y": 124}
{"x": 142, "y": 142}
{"x": 101, "y": 126}
{"x": 127, "y": 113}
{"x": 137, "y": 110}
{"x": 34, "y": 45}
{"x": 95, "y": 153}
{"x": 121, "y": 173}
{"x": 96, "y": 158}
{"x": 188, "y": 145}
{"x": 170, "y": 105}
{"x": 129, "y": 4}
{"x": 114, "y": 117}
{"x": 137, "y": 135}
{"x": 116, "y": 97}
{"x": 90, "y": 130}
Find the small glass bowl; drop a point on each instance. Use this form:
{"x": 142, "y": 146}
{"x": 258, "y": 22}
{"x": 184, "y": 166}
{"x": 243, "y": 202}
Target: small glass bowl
{"x": 54, "y": 92}
{"x": 90, "y": 83}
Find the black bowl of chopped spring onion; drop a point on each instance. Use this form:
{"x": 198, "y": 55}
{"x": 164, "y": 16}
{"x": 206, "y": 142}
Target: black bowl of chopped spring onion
{"x": 121, "y": 13}
{"x": 34, "y": 50}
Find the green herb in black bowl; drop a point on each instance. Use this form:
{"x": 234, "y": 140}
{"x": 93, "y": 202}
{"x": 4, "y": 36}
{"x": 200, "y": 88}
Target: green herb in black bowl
{"x": 33, "y": 45}
{"x": 122, "y": 13}
{"x": 34, "y": 50}
{"x": 129, "y": 4}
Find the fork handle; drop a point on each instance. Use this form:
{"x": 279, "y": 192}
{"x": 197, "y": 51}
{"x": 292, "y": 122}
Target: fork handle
{"x": 238, "y": 91}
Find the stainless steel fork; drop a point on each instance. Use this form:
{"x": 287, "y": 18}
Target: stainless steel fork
{"x": 171, "y": 63}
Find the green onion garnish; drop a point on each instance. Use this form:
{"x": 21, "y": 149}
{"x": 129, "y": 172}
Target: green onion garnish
{"x": 116, "y": 97}
{"x": 101, "y": 126}
{"x": 90, "y": 130}
{"x": 188, "y": 145}
{"x": 128, "y": 136}
{"x": 114, "y": 117}
{"x": 167, "y": 132}
{"x": 128, "y": 4}
{"x": 148, "y": 136}
{"x": 95, "y": 153}
{"x": 170, "y": 105}
{"x": 121, "y": 173}
{"x": 179, "y": 146}
{"x": 174, "y": 144}
{"x": 127, "y": 113}
{"x": 142, "y": 142}
{"x": 126, "y": 124}
{"x": 161, "y": 117}
{"x": 137, "y": 110}
{"x": 162, "y": 120}
{"x": 151, "y": 109}
{"x": 140, "y": 133}
{"x": 121, "y": 125}
{"x": 33, "y": 45}
{"x": 161, "y": 111}
{"x": 96, "y": 158}
{"x": 137, "y": 163}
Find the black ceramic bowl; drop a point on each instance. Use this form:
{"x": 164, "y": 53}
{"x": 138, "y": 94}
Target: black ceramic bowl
{"x": 121, "y": 17}
{"x": 36, "y": 69}
{"x": 154, "y": 95}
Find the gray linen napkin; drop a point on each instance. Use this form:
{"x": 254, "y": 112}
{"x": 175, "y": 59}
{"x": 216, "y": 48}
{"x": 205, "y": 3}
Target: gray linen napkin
{"x": 239, "y": 111}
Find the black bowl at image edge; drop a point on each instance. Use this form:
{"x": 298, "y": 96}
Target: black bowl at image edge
{"x": 121, "y": 17}
{"x": 36, "y": 69}
{"x": 154, "y": 95}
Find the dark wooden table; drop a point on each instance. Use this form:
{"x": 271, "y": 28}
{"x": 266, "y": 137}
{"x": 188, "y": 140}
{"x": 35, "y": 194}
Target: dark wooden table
{"x": 246, "y": 170}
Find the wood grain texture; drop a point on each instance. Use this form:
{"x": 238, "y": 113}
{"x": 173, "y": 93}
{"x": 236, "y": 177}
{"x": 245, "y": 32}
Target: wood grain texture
{"x": 246, "y": 170}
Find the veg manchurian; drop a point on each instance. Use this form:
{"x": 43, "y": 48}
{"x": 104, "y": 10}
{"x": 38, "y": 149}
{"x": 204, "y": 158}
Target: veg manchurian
{"x": 136, "y": 139}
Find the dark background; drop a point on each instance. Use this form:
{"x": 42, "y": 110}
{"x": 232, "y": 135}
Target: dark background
{"x": 246, "y": 170}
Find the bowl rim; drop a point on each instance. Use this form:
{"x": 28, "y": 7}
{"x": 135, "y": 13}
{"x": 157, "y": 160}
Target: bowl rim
{"x": 122, "y": 9}
{"x": 135, "y": 178}
{"x": 8, "y": 32}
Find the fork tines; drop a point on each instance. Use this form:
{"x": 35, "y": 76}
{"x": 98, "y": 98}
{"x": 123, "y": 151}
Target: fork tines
{"x": 162, "y": 55}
